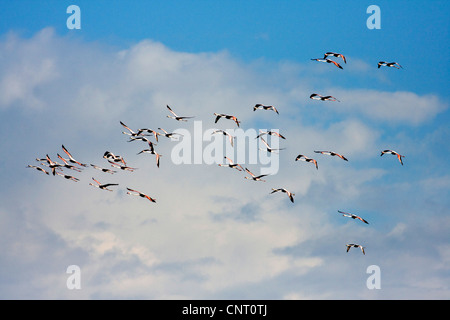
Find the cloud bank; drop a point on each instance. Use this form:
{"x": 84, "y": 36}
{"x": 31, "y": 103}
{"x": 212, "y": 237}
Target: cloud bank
{"x": 211, "y": 234}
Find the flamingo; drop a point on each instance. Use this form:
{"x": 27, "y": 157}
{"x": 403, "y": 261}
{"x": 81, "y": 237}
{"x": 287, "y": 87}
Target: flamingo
{"x": 355, "y": 246}
{"x": 111, "y": 156}
{"x": 139, "y": 194}
{"x": 152, "y": 151}
{"x": 102, "y": 186}
{"x": 305, "y": 158}
{"x": 169, "y": 135}
{"x": 155, "y": 133}
{"x": 353, "y": 216}
{"x": 260, "y": 106}
{"x": 289, "y": 194}
{"x": 329, "y": 61}
{"x": 337, "y": 55}
{"x": 122, "y": 167}
{"x": 272, "y": 133}
{"x": 253, "y": 177}
{"x": 52, "y": 165}
{"x": 399, "y": 156}
{"x": 68, "y": 177}
{"x": 331, "y": 153}
{"x": 103, "y": 169}
{"x": 131, "y": 132}
{"x": 389, "y": 64}
{"x": 231, "y": 164}
{"x": 178, "y": 118}
{"x": 141, "y": 138}
{"x": 67, "y": 165}
{"x": 230, "y": 137}
{"x": 71, "y": 159}
{"x": 226, "y": 116}
{"x": 268, "y": 148}
{"x": 38, "y": 168}
{"x": 316, "y": 96}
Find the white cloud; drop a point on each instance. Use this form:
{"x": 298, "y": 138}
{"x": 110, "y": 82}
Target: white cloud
{"x": 26, "y": 67}
{"x": 390, "y": 107}
{"x": 398, "y": 231}
{"x": 211, "y": 231}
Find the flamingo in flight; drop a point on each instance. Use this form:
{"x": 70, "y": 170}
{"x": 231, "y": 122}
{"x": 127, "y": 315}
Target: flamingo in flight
{"x": 302, "y": 157}
{"x": 350, "y": 245}
{"x": 226, "y": 116}
{"x": 131, "y": 132}
{"x": 71, "y": 159}
{"x": 399, "y": 156}
{"x": 316, "y": 96}
{"x": 111, "y": 156}
{"x": 68, "y": 177}
{"x": 331, "y": 153}
{"x": 230, "y": 137}
{"x": 169, "y": 135}
{"x": 353, "y": 216}
{"x": 38, "y": 168}
{"x": 268, "y": 148}
{"x": 260, "y": 106}
{"x": 67, "y": 165}
{"x": 253, "y": 177}
{"x": 52, "y": 165}
{"x": 152, "y": 151}
{"x": 289, "y": 194}
{"x": 103, "y": 186}
{"x": 155, "y": 133}
{"x": 103, "y": 169}
{"x": 231, "y": 164}
{"x": 176, "y": 117}
{"x": 334, "y": 54}
{"x": 389, "y": 64}
{"x": 329, "y": 61}
{"x": 140, "y": 194}
{"x": 141, "y": 138}
{"x": 122, "y": 167}
{"x": 271, "y": 133}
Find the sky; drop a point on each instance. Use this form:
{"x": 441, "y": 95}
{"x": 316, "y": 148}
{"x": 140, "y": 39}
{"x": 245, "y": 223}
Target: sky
{"x": 212, "y": 234}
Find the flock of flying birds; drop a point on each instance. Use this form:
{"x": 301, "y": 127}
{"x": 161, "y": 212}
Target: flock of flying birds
{"x": 316, "y": 96}
{"x": 118, "y": 162}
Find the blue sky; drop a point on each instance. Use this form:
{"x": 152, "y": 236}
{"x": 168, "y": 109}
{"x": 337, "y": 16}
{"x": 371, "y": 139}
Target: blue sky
{"x": 249, "y": 30}
{"x": 225, "y": 236}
